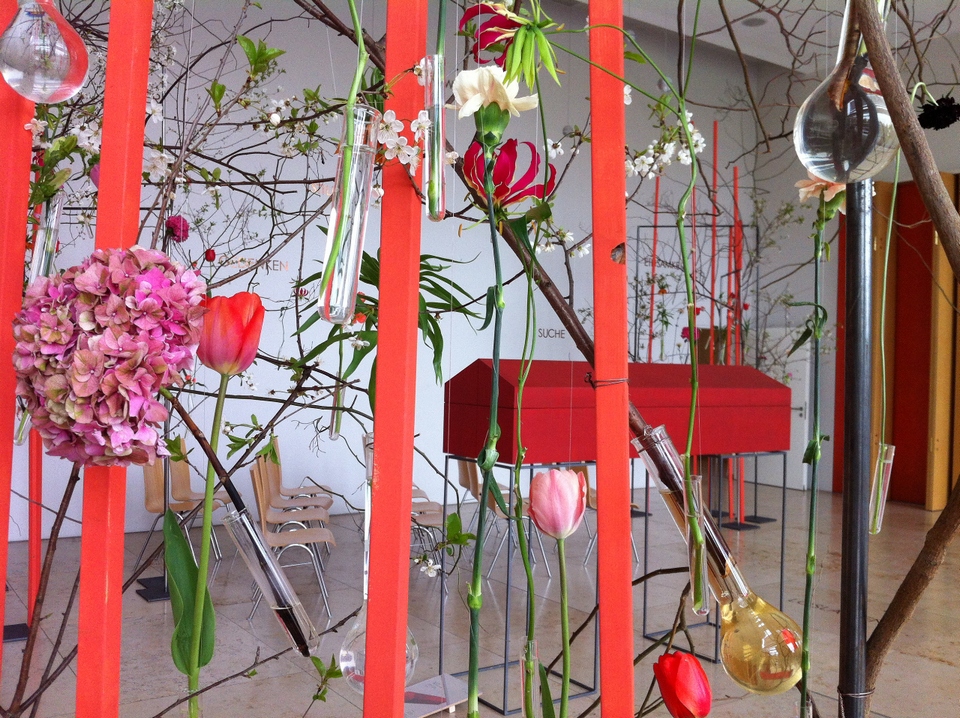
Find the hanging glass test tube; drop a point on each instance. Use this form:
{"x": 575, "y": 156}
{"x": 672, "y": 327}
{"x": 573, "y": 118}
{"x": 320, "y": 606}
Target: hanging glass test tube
{"x": 272, "y": 581}
{"x": 880, "y": 486}
{"x": 45, "y": 243}
{"x": 760, "y": 645}
{"x": 435, "y": 139}
{"x": 348, "y": 215}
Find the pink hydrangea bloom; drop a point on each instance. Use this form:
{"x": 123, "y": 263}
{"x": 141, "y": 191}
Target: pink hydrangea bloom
{"x": 94, "y": 346}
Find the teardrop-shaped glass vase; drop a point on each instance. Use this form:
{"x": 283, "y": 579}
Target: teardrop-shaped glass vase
{"x": 843, "y": 131}
{"x": 41, "y": 56}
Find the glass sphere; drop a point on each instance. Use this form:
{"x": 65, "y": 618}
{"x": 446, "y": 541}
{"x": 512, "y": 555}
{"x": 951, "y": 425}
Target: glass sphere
{"x": 353, "y": 653}
{"x": 41, "y": 56}
{"x": 760, "y": 646}
{"x": 843, "y": 131}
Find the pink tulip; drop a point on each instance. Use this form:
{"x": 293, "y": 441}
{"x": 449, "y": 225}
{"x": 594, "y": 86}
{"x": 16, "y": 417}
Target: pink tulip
{"x": 95, "y": 175}
{"x": 683, "y": 685}
{"x": 231, "y": 332}
{"x": 558, "y": 498}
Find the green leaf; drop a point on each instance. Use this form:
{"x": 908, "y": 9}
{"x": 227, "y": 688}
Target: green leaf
{"x": 801, "y": 340}
{"x": 182, "y": 580}
{"x": 175, "y": 448}
{"x": 546, "y": 700}
{"x": 249, "y": 49}
{"x": 491, "y": 307}
{"x": 216, "y": 91}
{"x": 635, "y": 56}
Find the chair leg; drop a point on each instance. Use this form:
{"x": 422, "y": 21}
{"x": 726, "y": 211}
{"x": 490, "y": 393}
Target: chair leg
{"x": 215, "y": 543}
{"x": 493, "y": 563}
{"x": 633, "y": 543}
{"x": 153, "y": 527}
{"x": 546, "y": 564}
{"x": 320, "y": 581}
{"x": 593, "y": 544}
{"x": 256, "y": 603}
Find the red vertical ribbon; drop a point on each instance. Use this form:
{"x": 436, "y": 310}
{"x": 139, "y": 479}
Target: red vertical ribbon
{"x": 614, "y": 568}
{"x": 737, "y": 265}
{"x": 396, "y": 399}
{"x": 713, "y": 237}
{"x": 15, "y": 151}
{"x": 104, "y": 492}
{"x": 653, "y": 267}
{"x": 730, "y": 298}
{"x": 35, "y": 535}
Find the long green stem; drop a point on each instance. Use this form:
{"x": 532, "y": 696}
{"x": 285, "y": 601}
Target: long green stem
{"x": 349, "y": 121}
{"x": 811, "y": 566}
{"x": 203, "y": 568}
{"x": 489, "y": 455}
{"x": 564, "y": 629}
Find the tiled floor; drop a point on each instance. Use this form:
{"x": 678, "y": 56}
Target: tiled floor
{"x": 920, "y": 677}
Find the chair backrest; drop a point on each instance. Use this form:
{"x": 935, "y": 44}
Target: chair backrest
{"x": 469, "y": 474}
{"x": 153, "y": 486}
{"x": 259, "y": 492}
{"x": 591, "y": 492}
{"x": 180, "y": 487}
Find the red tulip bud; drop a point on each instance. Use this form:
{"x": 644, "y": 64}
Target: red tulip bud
{"x": 231, "y": 332}
{"x": 683, "y": 685}
{"x": 210, "y": 255}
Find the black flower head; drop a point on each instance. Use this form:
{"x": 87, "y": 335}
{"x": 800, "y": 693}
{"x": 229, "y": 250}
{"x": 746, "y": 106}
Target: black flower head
{"x": 939, "y": 115}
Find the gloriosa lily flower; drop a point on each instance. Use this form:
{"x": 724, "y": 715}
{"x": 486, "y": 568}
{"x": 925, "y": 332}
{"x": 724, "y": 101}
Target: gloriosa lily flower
{"x": 506, "y": 189}
{"x": 683, "y": 685}
{"x": 495, "y": 33}
{"x": 231, "y": 332}
{"x": 558, "y": 498}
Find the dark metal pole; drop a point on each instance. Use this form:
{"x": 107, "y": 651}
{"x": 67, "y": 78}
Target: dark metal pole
{"x": 856, "y": 448}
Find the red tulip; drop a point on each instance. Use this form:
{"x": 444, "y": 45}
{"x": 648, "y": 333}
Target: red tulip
{"x": 683, "y": 685}
{"x": 558, "y": 498}
{"x": 231, "y": 332}
{"x": 210, "y": 254}
{"x": 506, "y": 191}
{"x": 495, "y": 34}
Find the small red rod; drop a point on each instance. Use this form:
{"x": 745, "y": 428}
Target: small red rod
{"x": 713, "y": 238}
{"x": 653, "y": 267}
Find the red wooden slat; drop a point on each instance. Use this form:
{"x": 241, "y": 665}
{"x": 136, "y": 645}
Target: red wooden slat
{"x": 15, "y": 149}
{"x": 614, "y": 563}
{"x": 396, "y": 392}
{"x": 104, "y": 494}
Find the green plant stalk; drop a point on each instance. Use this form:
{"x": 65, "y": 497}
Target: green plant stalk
{"x": 346, "y": 189}
{"x": 488, "y": 456}
{"x": 564, "y": 629}
{"x": 531, "y": 670}
{"x": 193, "y": 681}
{"x": 811, "y": 566}
{"x": 694, "y": 532}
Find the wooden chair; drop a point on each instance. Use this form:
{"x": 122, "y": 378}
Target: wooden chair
{"x": 180, "y": 487}
{"x": 308, "y": 539}
{"x": 153, "y": 501}
{"x": 270, "y": 473}
{"x": 303, "y": 490}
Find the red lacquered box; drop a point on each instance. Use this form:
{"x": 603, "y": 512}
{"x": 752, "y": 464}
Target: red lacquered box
{"x": 741, "y": 409}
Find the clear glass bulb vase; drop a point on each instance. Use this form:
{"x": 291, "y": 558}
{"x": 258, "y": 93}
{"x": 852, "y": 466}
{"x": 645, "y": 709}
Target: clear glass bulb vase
{"x": 350, "y": 205}
{"x": 843, "y": 131}
{"x": 353, "y": 652}
{"x": 435, "y": 139}
{"x": 41, "y": 56}
{"x": 271, "y": 579}
{"x": 45, "y": 243}
{"x": 760, "y": 646}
